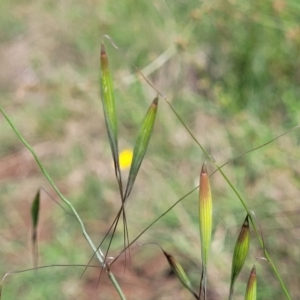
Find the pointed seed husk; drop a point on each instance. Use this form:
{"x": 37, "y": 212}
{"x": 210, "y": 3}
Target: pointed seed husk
{"x": 35, "y": 209}
{"x": 251, "y": 286}
{"x": 241, "y": 249}
{"x": 141, "y": 145}
{"x": 205, "y": 224}
{"x": 109, "y": 107}
{"x": 205, "y": 213}
{"x": 179, "y": 272}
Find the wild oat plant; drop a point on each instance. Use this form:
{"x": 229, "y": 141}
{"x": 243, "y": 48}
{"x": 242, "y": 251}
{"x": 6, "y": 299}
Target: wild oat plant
{"x": 134, "y": 160}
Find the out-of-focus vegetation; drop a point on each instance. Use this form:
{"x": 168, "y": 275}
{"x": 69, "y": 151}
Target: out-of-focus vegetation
{"x": 230, "y": 69}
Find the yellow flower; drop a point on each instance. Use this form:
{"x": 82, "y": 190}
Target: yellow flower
{"x": 125, "y": 158}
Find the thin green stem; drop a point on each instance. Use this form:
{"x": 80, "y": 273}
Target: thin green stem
{"x": 116, "y": 285}
{"x": 99, "y": 253}
{"x": 152, "y": 223}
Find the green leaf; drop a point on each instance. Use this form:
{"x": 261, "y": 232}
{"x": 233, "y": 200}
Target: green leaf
{"x": 141, "y": 146}
{"x": 109, "y": 109}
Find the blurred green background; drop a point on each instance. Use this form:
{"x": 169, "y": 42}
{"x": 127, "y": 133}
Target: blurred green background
{"x": 229, "y": 68}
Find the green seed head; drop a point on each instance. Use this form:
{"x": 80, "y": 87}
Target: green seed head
{"x": 240, "y": 252}
{"x": 251, "y": 286}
